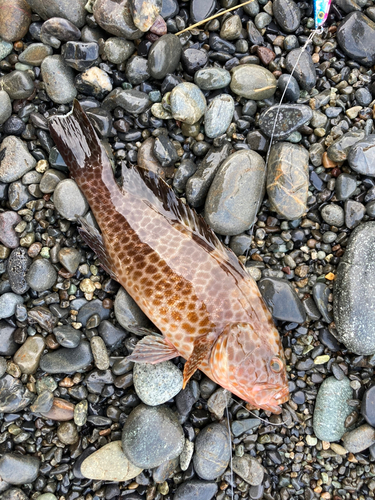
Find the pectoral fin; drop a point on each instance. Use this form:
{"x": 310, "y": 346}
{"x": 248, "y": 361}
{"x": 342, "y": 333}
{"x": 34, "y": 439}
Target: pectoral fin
{"x": 153, "y": 349}
{"x": 202, "y": 348}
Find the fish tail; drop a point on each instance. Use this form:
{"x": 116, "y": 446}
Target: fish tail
{"x": 79, "y": 145}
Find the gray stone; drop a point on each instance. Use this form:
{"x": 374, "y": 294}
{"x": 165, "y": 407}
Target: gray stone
{"x": 253, "y": 82}
{"x": 282, "y": 300}
{"x": 50, "y": 180}
{"x": 331, "y": 409}
{"x": 212, "y": 451}
{"x": 74, "y": 12}
{"x": 65, "y": 360}
{"x": 288, "y": 117}
{"x": 137, "y": 70}
{"x": 354, "y": 213}
{"x": 16, "y": 160}
{"x": 236, "y": 193}
{"x": 17, "y": 84}
{"x": 99, "y": 352}
{"x": 91, "y": 308}
{"x": 249, "y": 469}
{"x": 41, "y": 275}
{"x": 18, "y": 265}
{"x": 218, "y": 115}
{"x": 7, "y": 344}
{"x": 157, "y": 384}
{"x": 132, "y": 101}
{"x": 339, "y": 149}
{"x": 69, "y": 200}
{"x": 188, "y": 103}
{"x": 70, "y": 258}
{"x": 164, "y": 56}
{"x": 354, "y": 291}
{"x": 321, "y": 294}
{"x": 287, "y": 14}
{"x": 359, "y": 439}
{"x": 333, "y": 215}
{"x": 128, "y": 313}
{"x": 239, "y": 427}
{"x": 14, "y": 396}
{"x": 67, "y": 433}
{"x": 94, "y": 82}
{"x": 345, "y": 186}
{"x": 8, "y": 303}
{"x": 361, "y": 156}
{"x": 109, "y": 464}
{"x": 186, "y": 169}
{"x": 194, "y": 489}
{"x": 356, "y": 26}
{"x": 58, "y": 79}
{"x": 152, "y": 435}
{"x": 5, "y": 106}
{"x": 18, "y": 195}
{"x": 118, "y": 50}
{"x": 299, "y": 62}
{"x": 35, "y": 53}
{"x": 115, "y": 17}
{"x": 28, "y": 355}
{"x": 67, "y": 336}
{"x": 19, "y": 469}
{"x": 111, "y": 334}
{"x": 212, "y": 78}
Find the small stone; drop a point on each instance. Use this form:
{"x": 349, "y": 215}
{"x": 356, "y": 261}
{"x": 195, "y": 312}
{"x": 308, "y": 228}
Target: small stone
{"x": 361, "y": 156}
{"x": 188, "y": 103}
{"x": 118, "y": 50}
{"x": 14, "y": 396}
{"x": 201, "y": 9}
{"x": 282, "y": 300}
{"x": 7, "y": 344}
{"x": 109, "y": 464}
{"x": 94, "y": 82}
{"x": 193, "y": 59}
{"x": 8, "y": 236}
{"x": 347, "y": 38}
{"x": 74, "y": 12}
{"x": 239, "y": 427}
{"x": 58, "y": 29}
{"x": 80, "y": 413}
{"x": 194, "y": 489}
{"x": 218, "y": 402}
{"x": 70, "y": 258}
{"x": 43, "y": 402}
{"x": 287, "y": 15}
{"x": 69, "y": 201}
{"x": 249, "y": 469}
{"x": 128, "y": 313}
{"x": 19, "y": 469}
{"x": 41, "y": 275}
{"x": 17, "y": 84}
{"x": 99, "y": 352}
{"x": 15, "y": 18}
{"x": 290, "y": 117}
{"x": 61, "y": 411}
{"x": 212, "y": 451}
{"x": 35, "y": 53}
{"x": 333, "y": 215}
{"x": 65, "y": 360}
{"x": 340, "y": 148}
{"x": 145, "y": 13}
{"x": 28, "y": 355}
{"x": 321, "y": 294}
{"x": 345, "y": 186}
{"x": 67, "y": 336}
{"x": 368, "y": 406}
{"x": 116, "y": 18}
{"x": 132, "y": 101}
{"x": 231, "y": 28}
{"x": 164, "y": 56}
{"x": 300, "y": 63}
{"x": 157, "y": 384}
{"x": 253, "y": 82}
{"x": 8, "y": 303}
{"x": 5, "y": 106}
{"x": 354, "y": 213}
{"x": 359, "y": 439}
{"x": 218, "y": 115}
{"x": 67, "y": 433}
{"x": 16, "y": 159}
{"x": 164, "y": 151}
{"x": 212, "y": 78}
{"x": 80, "y": 56}
{"x": 111, "y": 334}
{"x": 58, "y": 79}
{"x": 89, "y": 309}
{"x": 186, "y": 455}
{"x": 137, "y": 70}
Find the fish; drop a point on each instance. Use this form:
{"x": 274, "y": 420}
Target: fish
{"x": 321, "y": 11}
{"x": 204, "y": 303}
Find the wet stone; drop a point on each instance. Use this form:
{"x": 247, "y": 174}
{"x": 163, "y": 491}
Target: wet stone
{"x": 80, "y": 56}
{"x": 293, "y": 91}
{"x": 242, "y": 173}
{"x": 28, "y": 355}
{"x": 7, "y": 344}
{"x": 35, "y": 53}
{"x": 353, "y": 292}
{"x": 118, "y": 50}
{"x": 355, "y": 25}
{"x": 116, "y": 18}
{"x": 331, "y": 409}
{"x": 341, "y": 147}
{"x": 239, "y": 427}
{"x": 147, "y": 159}
{"x": 99, "y": 352}
{"x": 17, "y": 84}
{"x": 282, "y": 300}
{"x": 359, "y": 439}
{"x": 16, "y": 159}
{"x": 194, "y": 488}
{"x": 66, "y": 360}
{"x": 69, "y": 201}
{"x": 188, "y": 103}
{"x": 361, "y": 156}
{"x": 43, "y": 317}
{"x": 156, "y": 384}
{"x": 41, "y": 275}
{"x": 186, "y": 398}
{"x": 152, "y": 435}
{"x": 111, "y": 334}
{"x": 67, "y": 336}
{"x": 8, "y": 303}
{"x": 5, "y": 107}
{"x": 128, "y": 313}
{"x": 58, "y": 29}
{"x": 201, "y": 9}
{"x": 67, "y": 433}
{"x": 231, "y": 28}
{"x": 145, "y": 12}
{"x": 287, "y": 14}
{"x": 91, "y": 308}
{"x": 169, "y": 9}
{"x": 249, "y": 469}
{"x": 253, "y": 82}
{"x": 109, "y": 464}
{"x": 74, "y": 12}
{"x": 164, "y": 56}
{"x": 137, "y": 70}
{"x": 164, "y": 151}
{"x": 303, "y": 71}
{"x": 290, "y": 117}
{"x": 43, "y": 403}
{"x": 19, "y": 469}
{"x": 15, "y": 18}
{"x": 18, "y": 195}
{"x": 368, "y": 406}
{"x": 186, "y": 169}
{"x": 321, "y": 293}
{"x": 70, "y": 258}
{"x": 132, "y": 101}
{"x": 345, "y": 186}
{"x": 193, "y": 59}
{"x": 218, "y": 402}
{"x": 218, "y": 115}
{"x": 14, "y": 396}
{"x": 94, "y": 82}
{"x": 61, "y": 410}
{"x": 333, "y": 215}
{"x": 58, "y": 79}
{"x": 212, "y": 78}
{"x": 354, "y": 213}
{"x": 8, "y": 236}
{"x": 288, "y": 179}
{"x": 212, "y": 451}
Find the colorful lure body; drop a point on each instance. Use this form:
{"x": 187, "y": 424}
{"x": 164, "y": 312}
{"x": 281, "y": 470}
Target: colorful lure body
{"x": 321, "y": 11}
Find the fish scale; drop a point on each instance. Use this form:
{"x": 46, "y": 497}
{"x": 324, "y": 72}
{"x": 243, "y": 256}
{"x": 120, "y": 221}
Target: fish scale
{"x": 192, "y": 288}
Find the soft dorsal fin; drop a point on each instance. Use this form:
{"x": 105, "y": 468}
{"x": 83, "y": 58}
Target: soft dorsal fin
{"x": 147, "y": 185}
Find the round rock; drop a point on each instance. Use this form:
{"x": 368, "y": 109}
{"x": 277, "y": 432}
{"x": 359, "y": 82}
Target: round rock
{"x": 19, "y": 469}
{"x": 15, "y": 18}
{"x": 218, "y": 115}
{"x": 164, "y": 56}
{"x": 287, "y": 14}
{"x": 58, "y": 78}
{"x": 212, "y": 78}
{"x": 157, "y": 384}
{"x": 188, "y": 103}
{"x": 16, "y": 159}
{"x": 194, "y": 489}
{"x": 65, "y": 360}
{"x": 128, "y": 313}
{"x": 253, "y": 82}
{"x": 359, "y": 439}
{"x": 28, "y": 355}
{"x": 5, "y": 106}
{"x": 249, "y": 469}
{"x": 41, "y": 275}
{"x": 354, "y": 27}
{"x": 333, "y": 215}
{"x": 212, "y": 451}
{"x": 69, "y": 201}
{"x": 361, "y": 156}
{"x": 8, "y": 303}
{"x": 290, "y": 117}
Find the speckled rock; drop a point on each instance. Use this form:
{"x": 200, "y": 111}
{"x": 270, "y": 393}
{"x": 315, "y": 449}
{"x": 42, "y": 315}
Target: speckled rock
{"x": 18, "y": 265}
{"x": 18, "y": 84}
{"x": 288, "y": 179}
{"x": 118, "y": 50}
{"x": 354, "y": 291}
{"x": 331, "y": 409}
{"x": 188, "y": 103}
{"x": 58, "y": 78}
{"x": 253, "y": 82}
{"x": 359, "y": 439}
{"x": 218, "y": 115}
{"x": 35, "y": 53}
{"x": 152, "y": 435}
{"x": 157, "y": 384}
{"x": 109, "y": 464}
{"x": 282, "y": 120}
{"x": 16, "y": 159}
{"x": 333, "y": 214}
{"x": 145, "y": 12}
{"x": 361, "y": 156}
{"x": 242, "y": 173}
{"x": 212, "y": 451}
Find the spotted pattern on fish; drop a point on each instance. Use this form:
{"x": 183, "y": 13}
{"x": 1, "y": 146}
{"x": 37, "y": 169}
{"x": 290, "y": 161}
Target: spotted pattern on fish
{"x": 194, "y": 290}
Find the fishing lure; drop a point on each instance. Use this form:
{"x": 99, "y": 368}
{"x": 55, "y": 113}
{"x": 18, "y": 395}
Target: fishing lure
{"x": 321, "y": 11}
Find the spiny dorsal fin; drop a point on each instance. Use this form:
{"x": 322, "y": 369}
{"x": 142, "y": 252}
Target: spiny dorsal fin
{"x": 147, "y": 185}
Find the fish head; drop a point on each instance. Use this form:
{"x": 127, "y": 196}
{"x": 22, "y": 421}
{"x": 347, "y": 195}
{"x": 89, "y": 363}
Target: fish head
{"x": 252, "y": 366}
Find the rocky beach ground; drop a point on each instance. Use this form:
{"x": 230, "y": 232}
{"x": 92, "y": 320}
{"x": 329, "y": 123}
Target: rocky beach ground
{"x": 78, "y": 420}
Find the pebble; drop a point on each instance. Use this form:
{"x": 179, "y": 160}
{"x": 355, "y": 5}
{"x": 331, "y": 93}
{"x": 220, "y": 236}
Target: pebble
{"x": 67, "y": 336}
{"x": 147, "y": 159}
{"x": 7, "y": 344}
{"x": 321, "y": 294}
{"x": 5, "y": 106}
{"x": 128, "y": 313}
{"x": 353, "y": 292}
{"x": 111, "y": 334}
{"x": 145, "y": 13}
{"x": 87, "y": 310}
{"x": 239, "y": 427}
{"x": 17, "y": 84}
{"x": 14, "y": 396}
{"x": 188, "y": 103}
{"x": 35, "y": 53}
{"x": 66, "y": 360}
{"x": 345, "y": 186}
{"x": 69, "y": 201}
{"x": 67, "y": 433}
{"x": 116, "y": 18}
{"x": 74, "y": 12}
{"x": 43, "y": 402}
{"x": 354, "y": 213}
{"x": 299, "y": 62}
{"x": 193, "y": 59}
{"x": 361, "y": 156}
{"x": 118, "y": 50}
{"x": 357, "y": 24}
{"x": 58, "y": 78}
{"x": 58, "y": 29}
{"x": 218, "y": 115}
{"x": 41, "y": 275}
{"x": 368, "y": 406}
{"x": 293, "y": 91}
{"x": 70, "y": 258}
{"x": 290, "y": 117}
{"x": 94, "y": 82}
{"x": 359, "y": 439}
{"x": 137, "y": 70}
{"x": 8, "y": 303}
{"x": 201, "y": 9}
{"x": 164, "y": 56}
{"x": 212, "y": 451}
{"x": 339, "y": 149}
{"x": 249, "y": 469}
{"x": 16, "y": 160}
{"x": 152, "y": 435}
{"x": 186, "y": 398}
{"x": 15, "y": 18}
{"x": 61, "y": 410}
{"x": 99, "y": 352}
{"x": 331, "y": 409}
{"x": 80, "y": 56}
{"x": 164, "y": 151}
{"x": 28, "y": 355}
{"x": 212, "y": 78}
{"x": 8, "y": 236}
{"x": 333, "y": 215}
{"x": 109, "y": 464}
{"x": 19, "y": 469}
{"x": 186, "y": 169}
{"x": 282, "y": 300}
{"x": 287, "y": 14}
{"x": 194, "y": 489}
{"x": 218, "y": 402}
{"x": 156, "y": 384}
{"x": 253, "y": 82}
{"x": 242, "y": 173}
{"x": 132, "y": 101}
{"x": 288, "y": 179}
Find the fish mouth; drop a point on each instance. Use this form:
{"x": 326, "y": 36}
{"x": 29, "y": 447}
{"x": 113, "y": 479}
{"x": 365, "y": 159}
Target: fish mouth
{"x": 269, "y": 398}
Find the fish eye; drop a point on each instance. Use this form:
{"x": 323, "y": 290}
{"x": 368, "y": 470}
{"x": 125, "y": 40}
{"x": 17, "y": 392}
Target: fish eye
{"x": 276, "y": 365}
{"x": 321, "y": 15}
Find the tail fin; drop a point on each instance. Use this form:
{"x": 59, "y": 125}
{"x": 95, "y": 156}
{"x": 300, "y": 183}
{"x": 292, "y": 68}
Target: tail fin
{"x": 78, "y": 143}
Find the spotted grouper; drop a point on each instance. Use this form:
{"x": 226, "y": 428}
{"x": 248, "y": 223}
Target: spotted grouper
{"x": 195, "y": 291}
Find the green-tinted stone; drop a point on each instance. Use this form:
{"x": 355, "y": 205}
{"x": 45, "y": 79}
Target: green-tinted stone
{"x": 253, "y": 82}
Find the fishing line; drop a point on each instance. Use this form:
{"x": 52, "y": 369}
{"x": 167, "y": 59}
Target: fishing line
{"x": 230, "y": 447}
{"x": 260, "y": 418}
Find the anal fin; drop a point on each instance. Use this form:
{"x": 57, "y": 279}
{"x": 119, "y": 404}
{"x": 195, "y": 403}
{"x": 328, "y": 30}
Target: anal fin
{"x": 202, "y": 347}
{"x": 153, "y": 349}
{"x": 94, "y": 240}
